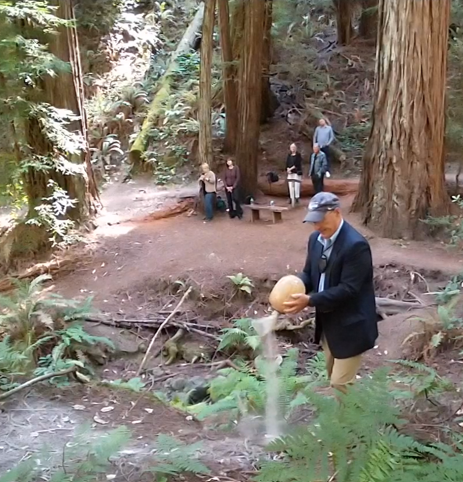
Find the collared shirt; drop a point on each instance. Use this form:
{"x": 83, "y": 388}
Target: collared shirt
{"x": 327, "y": 248}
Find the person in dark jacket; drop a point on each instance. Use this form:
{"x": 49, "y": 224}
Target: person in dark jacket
{"x": 294, "y": 174}
{"x": 338, "y": 277}
{"x": 318, "y": 168}
{"x": 231, "y": 180}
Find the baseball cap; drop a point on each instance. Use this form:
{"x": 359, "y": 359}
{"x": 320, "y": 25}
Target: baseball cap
{"x": 319, "y": 205}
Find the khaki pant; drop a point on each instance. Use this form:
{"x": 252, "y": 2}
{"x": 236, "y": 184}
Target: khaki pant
{"x": 341, "y": 372}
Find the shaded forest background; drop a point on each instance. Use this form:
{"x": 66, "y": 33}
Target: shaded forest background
{"x": 112, "y": 67}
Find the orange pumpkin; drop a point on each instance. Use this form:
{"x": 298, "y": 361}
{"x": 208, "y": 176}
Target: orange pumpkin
{"x": 282, "y": 291}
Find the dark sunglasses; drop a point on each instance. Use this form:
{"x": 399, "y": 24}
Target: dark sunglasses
{"x": 322, "y": 263}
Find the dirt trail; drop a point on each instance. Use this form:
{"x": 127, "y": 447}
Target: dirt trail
{"x": 131, "y": 254}
{"x": 137, "y": 198}
{"x": 45, "y": 420}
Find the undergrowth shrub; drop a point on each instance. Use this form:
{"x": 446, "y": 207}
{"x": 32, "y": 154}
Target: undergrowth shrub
{"x": 241, "y": 338}
{"x": 439, "y": 330}
{"x": 359, "y": 440}
{"x": 42, "y": 334}
{"x": 243, "y": 392}
{"x": 89, "y": 457}
{"x": 450, "y": 226}
{"x": 84, "y": 459}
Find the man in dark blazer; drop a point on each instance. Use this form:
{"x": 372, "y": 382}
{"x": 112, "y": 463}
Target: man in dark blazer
{"x": 338, "y": 277}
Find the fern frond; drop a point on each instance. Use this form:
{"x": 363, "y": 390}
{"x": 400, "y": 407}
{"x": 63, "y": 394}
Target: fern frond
{"x": 174, "y": 457}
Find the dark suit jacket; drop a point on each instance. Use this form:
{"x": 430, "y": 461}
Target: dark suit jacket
{"x": 346, "y": 309}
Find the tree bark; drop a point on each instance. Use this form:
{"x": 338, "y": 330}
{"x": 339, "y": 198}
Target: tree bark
{"x": 164, "y": 92}
{"x": 229, "y": 78}
{"x": 64, "y": 91}
{"x": 237, "y": 28}
{"x": 205, "y": 85}
{"x": 268, "y": 100}
{"x": 250, "y": 94}
{"x": 403, "y": 178}
{"x": 344, "y": 10}
{"x": 368, "y": 24}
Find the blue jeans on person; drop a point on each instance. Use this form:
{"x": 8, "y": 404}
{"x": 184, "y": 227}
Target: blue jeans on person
{"x": 209, "y": 200}
{"x": 327, "y": 152}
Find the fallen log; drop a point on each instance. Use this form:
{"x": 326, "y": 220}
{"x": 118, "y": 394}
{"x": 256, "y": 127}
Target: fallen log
{"x": 170, "y": 211}
{"x": 165, "y": 83}
{"x": 341, "y": 187}
{"x": 58, "y": 265}
{"x": 389, "y": 307}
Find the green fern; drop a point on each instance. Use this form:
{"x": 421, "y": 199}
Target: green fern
{"x": 357, "y": 440}
{"x": 424, "y": 381}
{"x": 240, "y": 337}
{"x": 242, "y": 392}
{"x": 84, "y": 460}
{"x": 173, "y": 457}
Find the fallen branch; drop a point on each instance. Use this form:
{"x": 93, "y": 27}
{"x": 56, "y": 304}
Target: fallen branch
{"x": 68, "y": 264}
{"x": 163, "y": 324}
{"x": 188, "y": 326}
{"x": 174, "y": 210}
{"x": 394, "y": 307}
{"x": 34, "y": 381}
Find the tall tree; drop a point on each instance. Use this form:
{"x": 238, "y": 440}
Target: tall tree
{"x": 229, "y": 77}
{"x": 403, "y": 167}
{"x": 250, "y": 81}
{"x": 42, "y": 96}
{"x": 205, "y": 84}
{"x": 266, "y": 110}
{"x": 62, "y": 91}
{"x": 368, "y": 23}
{"x": 344, "y": 11}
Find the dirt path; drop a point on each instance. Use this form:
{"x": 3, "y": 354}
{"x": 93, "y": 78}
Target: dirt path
{"x": 45, "y": 420}
{"x": 131, "y": 255}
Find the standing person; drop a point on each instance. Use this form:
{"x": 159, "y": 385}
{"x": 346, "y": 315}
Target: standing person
{"x": 318, "y": 168}
{"x": 294, "y": 174}
{"x": 338, "y": 277}
{"x": 231, "y": 179}
{"x": 324, "y": 137}
{"x": 210, "y": 190}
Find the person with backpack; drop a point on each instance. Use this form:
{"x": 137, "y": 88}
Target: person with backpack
{"x": 231, "y": 180}
{"x": 208, "y": 183}
{"x": 294, "y": 174}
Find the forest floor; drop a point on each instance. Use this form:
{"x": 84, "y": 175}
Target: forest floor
{"x": 134, "y": 270}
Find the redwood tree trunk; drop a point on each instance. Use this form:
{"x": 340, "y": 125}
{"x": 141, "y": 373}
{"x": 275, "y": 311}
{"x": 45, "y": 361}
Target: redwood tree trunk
{"x": 237, "y": 28}
{"x": 64, "y": 91}
{"x": 205, "y": 85}
{"x": 403, "y": 166}
{"x": 344, "y": 10}
{"x": 267, "y": 100}
{"x": 250, "y": 94}
{"x": 368, "y": 25}
{"x": 229, "y": 78}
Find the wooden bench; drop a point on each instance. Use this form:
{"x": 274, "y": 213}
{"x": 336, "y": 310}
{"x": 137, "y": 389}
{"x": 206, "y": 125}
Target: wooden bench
{"x": 257, "y": 208}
